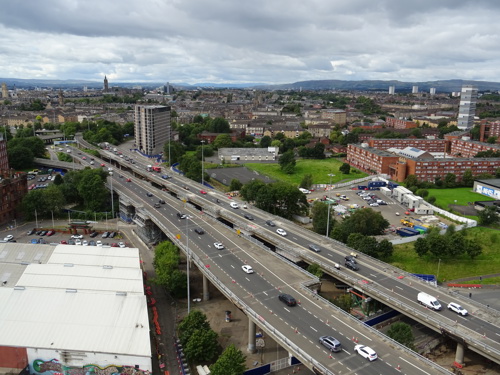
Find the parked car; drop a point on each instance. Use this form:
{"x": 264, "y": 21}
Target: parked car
{"x": 77, "y": 236}
{"x": 121, "y": 244}
{"x": 98, "y": 243}
{"x": 105, "y": 235}
{"x": 93, "y": 234}
{"x": 85, "y": 243}
{"x": 51, "y": 232}
{"x": 34, "y": 241}
{"x": 63, "y": 242}
{"x": 31, "y": 232}
{"x": 78, "y": 242}
{"x": 287, "y": 299}
{"x": 112, "y": 235}
{"x": 92, "y": 243}
{"x": 9, "y": 237}
{"x": 247, "y": 269}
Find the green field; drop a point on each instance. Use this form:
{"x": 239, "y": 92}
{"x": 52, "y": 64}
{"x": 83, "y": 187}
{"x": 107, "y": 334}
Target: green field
{"x": 318, "y": 168}
{"x": 488, "y": 262}
{"x": 460, "y": 196}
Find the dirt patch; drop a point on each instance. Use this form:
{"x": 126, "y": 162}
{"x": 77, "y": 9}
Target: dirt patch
{"x": 464, "y": 210}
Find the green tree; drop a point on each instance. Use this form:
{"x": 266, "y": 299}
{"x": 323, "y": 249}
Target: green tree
{"x": 491, "y": 140}
{"x": 306, "y": 182}
{"x": 431, "y": 199}
{"x": 450, "y": 180}
{"x": 230, "y": 362}
{"x": 33, "y": 202}
{"x": 58, "y": 180}
{"x": 385, "y": 249}
{"x": 365, "y": 221}
{"x": 315, "y": 269}
{"x": 468, "y": 178}
{"x": 456, "y": 244}
{"x": 20, "y": 157}
{"x": 176, "y": 151}
{"x": 473, "y": 248}
{"x": 421, "y": 247}
{"x": 222, "y": 141}
{"x": 344, "y": 302}
{"x": 250, "y": 190}
{"x": 219, "y": 125}
{"x": 235, "y": 185}
{"x": 438, "y": 245}
{"x": 53, "y": 198}
{"x": 287, "y": 162}
{"x": 202, "y": 346}
{"x": 265, "y": 141}
{"x": 411, "y": 180}
{"x": 193, "y": 321}
{"x": 287, "y": 145}
{"x": 488, "y": 216}
{"x": 402, "y": 333}
{"x": 319, "y": 213}
{"x": 422, "y": 193}
{"x": 345, "y": 168}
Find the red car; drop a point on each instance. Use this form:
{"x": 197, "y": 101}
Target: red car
{"x": 50, "y": 233}
{"x": 63, "y": 242}
{"x": 114, "y": 244}
{"x": 103, "y": 165}
{"x": 203, "y": 192}
{"x": 128, "y": 180}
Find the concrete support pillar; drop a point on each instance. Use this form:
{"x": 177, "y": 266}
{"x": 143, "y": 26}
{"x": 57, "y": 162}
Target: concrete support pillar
{"x": 206, "y": 295}
{"x": 251, "y": 336}
{"x": 459, "y": 354}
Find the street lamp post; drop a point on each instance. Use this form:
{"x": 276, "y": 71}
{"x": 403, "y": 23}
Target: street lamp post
{"x": 202, "y": 144}
{"x": 53, "y": 225}
{"x": 437, "y": 275}
{"x": 187, "y": 265}
{"x": 112, "y": 199}
{"x": 329, "y": 205}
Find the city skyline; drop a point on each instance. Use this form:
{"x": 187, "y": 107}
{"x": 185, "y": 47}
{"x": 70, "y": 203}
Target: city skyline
{"x": 258, "y": 42}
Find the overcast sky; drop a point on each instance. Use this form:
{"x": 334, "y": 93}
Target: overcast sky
{"x": 262, "y": 41}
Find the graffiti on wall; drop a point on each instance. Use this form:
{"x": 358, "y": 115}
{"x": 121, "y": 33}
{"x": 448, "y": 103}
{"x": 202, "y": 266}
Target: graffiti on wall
{"x": 54, "y": 367}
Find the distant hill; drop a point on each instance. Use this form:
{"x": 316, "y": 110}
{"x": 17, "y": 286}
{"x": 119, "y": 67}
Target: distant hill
{"x": 378, "y": 85}
{"x": 366, "y": 85}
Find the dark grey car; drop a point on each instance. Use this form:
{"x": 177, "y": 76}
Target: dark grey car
{"x": 314, "y": 248}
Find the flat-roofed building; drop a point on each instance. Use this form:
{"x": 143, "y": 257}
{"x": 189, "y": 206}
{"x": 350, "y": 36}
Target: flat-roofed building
{"x": 152, "y": 128}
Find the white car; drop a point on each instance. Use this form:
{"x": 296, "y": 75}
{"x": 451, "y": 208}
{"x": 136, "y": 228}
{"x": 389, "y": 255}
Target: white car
{"x": 218, "y": 245}
{"x": 305, "y": 191}
{"x": 281, "y": 232}
{"x": 366, "y": 352}
{"x": 121, "y": 244}
{"x": 85, "y": 243}
{"x": 234, "y": 205}
{"x": 78, "y": 242}
{"x": 375, "y": 204}
{"x": 98, "y": 243}
{"x": 77, "y": 236}
{"x": 457, "y": 308}
{"x": 247, "y": 268}
{"x": 9, "y": 237}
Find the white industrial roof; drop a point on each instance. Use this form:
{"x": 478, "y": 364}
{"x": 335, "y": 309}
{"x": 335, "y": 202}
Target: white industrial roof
{"x": 96, "y": 256}
{"x": 90, "y": 322}
{"x": 83, "y": 278}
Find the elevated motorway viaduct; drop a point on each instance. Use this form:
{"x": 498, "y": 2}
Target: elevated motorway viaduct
{"x": 376, "y": 279}
{"x": 297, "y": 329}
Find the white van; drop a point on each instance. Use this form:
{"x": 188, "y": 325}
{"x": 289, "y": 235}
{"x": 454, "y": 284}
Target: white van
{"x": 234, "y": 205}
{"x": 429, "y": 301}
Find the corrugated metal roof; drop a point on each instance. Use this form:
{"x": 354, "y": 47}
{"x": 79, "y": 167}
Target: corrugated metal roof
{"x": 91, "y": 322}
{"x": 96, "y": 256}
{"x": 83, "y": 278}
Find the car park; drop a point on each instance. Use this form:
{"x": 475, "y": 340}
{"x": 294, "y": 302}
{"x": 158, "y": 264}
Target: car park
{"x": 287, "y": 299}
{"x": 247, "y": 269}
{"x": 218, "y": 245}
{"x": 199, "y": 230}
{"x": 234, "y": 205}
{"x": 455, "y": 307}
{"x": 281, "y": 232}
{"x": 270, "y": 223}
{"x": 331, "y": 343}
{"x": 314, "y": 248}
{"x": 366, "y": 352}
{"x": 9, "y": 237}
{"x": 181, "y": 215}
{"x": 248, "y": 216}
{"x": 105, "y": 235}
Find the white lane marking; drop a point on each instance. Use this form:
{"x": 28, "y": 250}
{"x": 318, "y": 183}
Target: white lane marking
{"x": 314, "y": 329}
{"x": 265, "y": 293}
{"x": 346, "y": 351}
{"x": 247, "y": 279}
{"x": 286, "y": 309}
{"x": 347, "y": 325}
{"x": 425, "y": 372}
{"x": 398, "y": 287}
{"x": 373, "y": 275}
{"x": 232, "y": 266}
